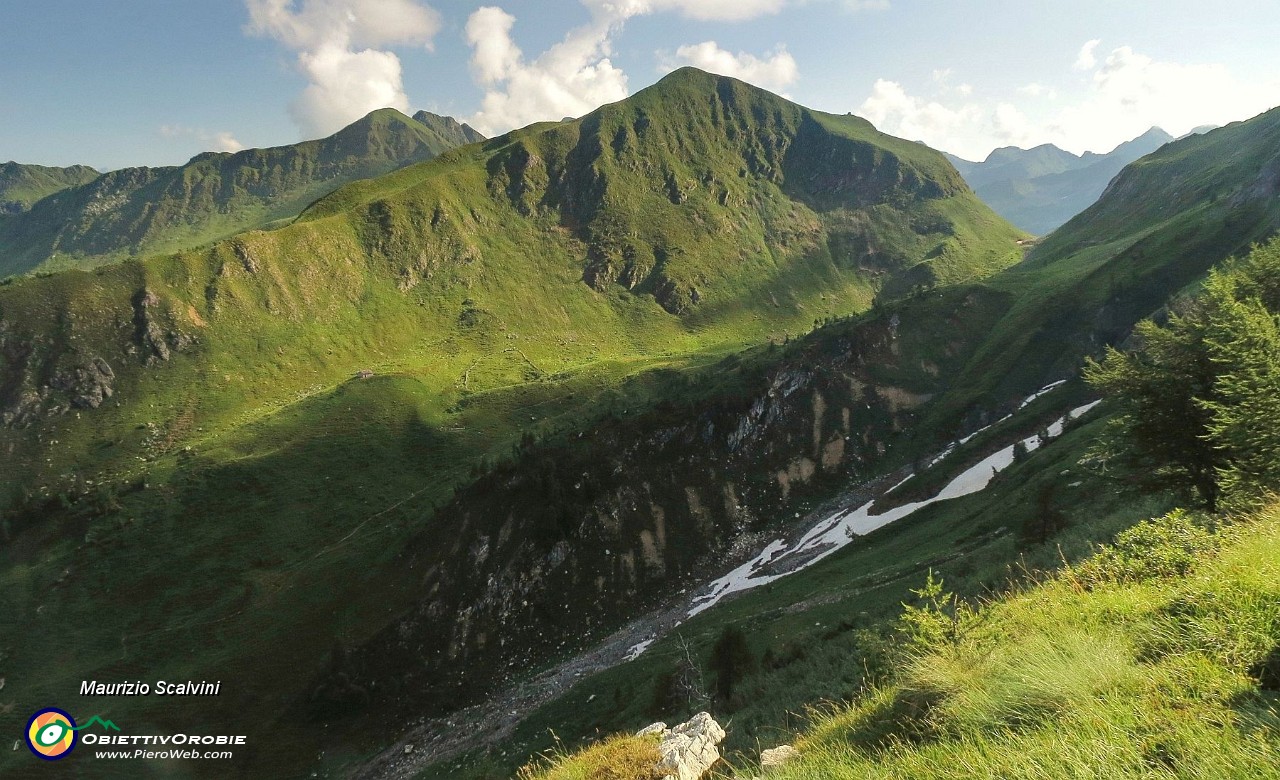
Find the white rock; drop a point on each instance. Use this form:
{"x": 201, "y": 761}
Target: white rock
{"x": 653, "y": 728}
{"x": 778, "y": 756}
{"x": 688, "y": 750}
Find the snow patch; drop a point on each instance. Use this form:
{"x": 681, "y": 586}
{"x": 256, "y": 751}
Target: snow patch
{"x": 838, "y": 530}
{"x": 637, "y": 649}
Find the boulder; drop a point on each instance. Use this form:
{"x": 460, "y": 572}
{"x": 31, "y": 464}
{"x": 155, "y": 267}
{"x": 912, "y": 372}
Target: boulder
{"x": 688, "y": 750}
{"x": 778, "y": 756}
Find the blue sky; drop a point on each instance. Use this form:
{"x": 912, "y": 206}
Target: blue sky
{"x": 153, "y": 82}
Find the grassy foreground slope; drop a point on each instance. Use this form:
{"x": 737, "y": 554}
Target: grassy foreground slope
{"x": 1157, "y": 657}
{"x": 134, "y": 212}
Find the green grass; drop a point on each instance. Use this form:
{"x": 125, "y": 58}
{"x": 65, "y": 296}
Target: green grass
{"x": 618, "y": 758}
{"x": 1154, "y": 676}
{"x": 1093, "y": 672}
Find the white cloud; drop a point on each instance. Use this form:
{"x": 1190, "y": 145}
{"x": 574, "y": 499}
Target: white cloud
{"x": 220, "y": 141}
{"x": 1012, "y": 127}
{"x": 1125, "y": 93}
{"x": 773, "y": 72}
{"x": 494, "y": 55}
{"x": 569, "y": 79}
{"x": 576, "y": 75}
{"x": 1131, "y": 92}
{"x": 1086, "y": 59}
{"x": 341, "y": 50}
{"x": 705, "y": 10}
{"x": 225, "y": 142}
{"x": 892, "y": 110}
{"x": 865, "y": 5}
{"x": 1036, "y": 89}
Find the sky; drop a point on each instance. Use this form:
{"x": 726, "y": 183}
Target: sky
{"x": 154, "y": 82}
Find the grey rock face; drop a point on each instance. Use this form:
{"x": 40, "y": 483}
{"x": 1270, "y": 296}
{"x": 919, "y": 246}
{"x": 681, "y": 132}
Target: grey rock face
{"x": 87, "y": 384}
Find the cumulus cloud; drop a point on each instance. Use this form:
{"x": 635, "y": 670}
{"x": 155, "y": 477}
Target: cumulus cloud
{"x": 892, "y": 110}
{"x": 341, "y": 49}
{"x": 1125, "y": 93}
{"x": 571, "y": 78}
{"x": 774, "y": 71}
{"x": 575, "y": 75}
{"x": 225, "y": 142}
{"x": 1012, "y": 127}
{"x": 220, "y": 141}
{"x": 1131, "y": 92}
{"x": 1086, "y": 59}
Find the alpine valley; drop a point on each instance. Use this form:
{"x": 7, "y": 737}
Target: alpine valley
{"x": 451, "y": 456}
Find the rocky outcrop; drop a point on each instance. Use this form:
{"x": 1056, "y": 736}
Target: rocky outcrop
{"x": 689, "y": 750}
{"x": 86, "y": 384}
{"x": 36, "y": 381}
{"x": 157, "y": 342}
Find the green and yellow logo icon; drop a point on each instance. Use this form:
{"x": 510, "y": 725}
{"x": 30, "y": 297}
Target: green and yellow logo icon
{"x": 51, "y": 733}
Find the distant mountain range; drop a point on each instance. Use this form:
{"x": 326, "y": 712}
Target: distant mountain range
{"x": 76, "y": 217}
{"x": 1040, "y": 189}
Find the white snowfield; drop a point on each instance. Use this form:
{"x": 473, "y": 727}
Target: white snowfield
{"x": 839, "y": 529}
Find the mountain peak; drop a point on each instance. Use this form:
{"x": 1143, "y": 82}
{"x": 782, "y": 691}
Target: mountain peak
{"x": 458, "y": 133}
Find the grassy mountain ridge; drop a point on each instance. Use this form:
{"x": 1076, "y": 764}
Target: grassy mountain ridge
{"x": 141, "y": 211}
{"x": 157, "y": 410}
{"x": 22, "y": 185}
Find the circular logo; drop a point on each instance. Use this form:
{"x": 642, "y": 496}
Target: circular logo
{"x": 50, "y": 733}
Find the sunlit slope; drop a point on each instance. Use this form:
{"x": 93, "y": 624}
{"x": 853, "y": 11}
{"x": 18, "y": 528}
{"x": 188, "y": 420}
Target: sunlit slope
{"x": 700, "y": 212}
{"x": 135, "y": 212}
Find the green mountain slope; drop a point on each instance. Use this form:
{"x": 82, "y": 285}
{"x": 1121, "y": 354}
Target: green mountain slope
{"x": 23, "y": 185}
{"x": 1039, "y": 189}
{"x": 140, "y": 211}
{"x": 188, "y": 429}
{"x": 881, "y": 391}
